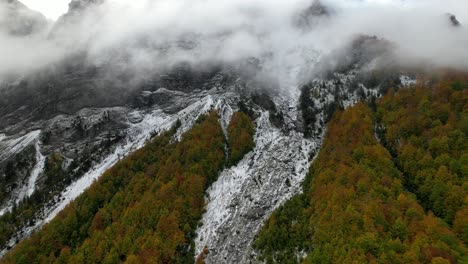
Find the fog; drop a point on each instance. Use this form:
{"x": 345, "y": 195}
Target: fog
{"x": 145, "y": 35}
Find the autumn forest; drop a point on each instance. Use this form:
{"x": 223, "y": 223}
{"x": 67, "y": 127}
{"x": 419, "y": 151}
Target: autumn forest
{"x": 389, "y": 185}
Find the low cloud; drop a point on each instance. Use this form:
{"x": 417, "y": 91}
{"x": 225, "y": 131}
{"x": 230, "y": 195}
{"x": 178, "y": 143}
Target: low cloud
{"x": 144, "y": 35}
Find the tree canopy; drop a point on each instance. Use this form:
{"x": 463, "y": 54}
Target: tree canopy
{"x": 145, "y": 209}
{"x": 355, "y": 207}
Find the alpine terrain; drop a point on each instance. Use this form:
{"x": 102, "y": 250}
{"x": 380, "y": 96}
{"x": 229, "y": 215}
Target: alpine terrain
{"x": 175, "y": 131}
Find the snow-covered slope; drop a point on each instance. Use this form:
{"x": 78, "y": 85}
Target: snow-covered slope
{"x": 244, "y": 195}
{"x": 152, "y": 123}
{"x": 36, "y": 171}
{"x": 141, "y": 125}
{"x": 92, "y": 112}
{"x": 16, "y": 145}
{"x": 26, "y": 185}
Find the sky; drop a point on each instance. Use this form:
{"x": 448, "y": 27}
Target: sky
{"x": 52, "y": 9}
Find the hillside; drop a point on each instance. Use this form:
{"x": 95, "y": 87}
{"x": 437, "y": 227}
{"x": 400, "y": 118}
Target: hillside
{"x": 358, "y": 205}
{"x": 234, "y": 131}
{"x": 365, "y": 199}
{"x": 146, "y": 208}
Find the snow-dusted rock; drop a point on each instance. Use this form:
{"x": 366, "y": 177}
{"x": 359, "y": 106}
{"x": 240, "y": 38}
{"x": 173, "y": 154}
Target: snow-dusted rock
{"x": 245, "y": 195}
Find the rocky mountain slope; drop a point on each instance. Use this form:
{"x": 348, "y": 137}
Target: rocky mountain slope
{"x": 359, "y": 202}
{"x": 91, "y": 140}
{"x": 62, "y": 127}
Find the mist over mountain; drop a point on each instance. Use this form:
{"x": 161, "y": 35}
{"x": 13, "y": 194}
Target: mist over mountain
{"x": 146, "y": 35}
{"x": 86, "y": 101}
{"x": 18, "y": 20}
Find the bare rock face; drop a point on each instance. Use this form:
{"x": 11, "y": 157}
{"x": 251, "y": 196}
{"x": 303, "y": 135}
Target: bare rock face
{"x": 18, "y": 20}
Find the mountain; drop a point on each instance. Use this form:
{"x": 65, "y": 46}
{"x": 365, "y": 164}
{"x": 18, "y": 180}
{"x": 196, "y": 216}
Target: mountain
{"x": 286, "y": 157}
{"x": 368, "y": 191}
{"x": 16, "y": 19}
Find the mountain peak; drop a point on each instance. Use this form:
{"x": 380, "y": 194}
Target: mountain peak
{"x": 18, "y": 20}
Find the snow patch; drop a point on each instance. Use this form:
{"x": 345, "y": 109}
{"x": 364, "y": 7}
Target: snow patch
{"x": 189, "y": 115}
{"x": 14, "y": 146}
{"x": 28, "y": 189}
{"x": 245, "y": 195}
{"x": 138, "y": 135}
{"x": 407, "y": 81}
{"x": 225, "y": 114}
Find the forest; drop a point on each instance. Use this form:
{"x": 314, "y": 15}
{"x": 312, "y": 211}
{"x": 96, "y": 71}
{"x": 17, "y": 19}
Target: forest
{"x": 426, "y": 130}
{"x": 240, "y": 137}
{"x": 388, "y": 186}
{"x": 147, "y": 207}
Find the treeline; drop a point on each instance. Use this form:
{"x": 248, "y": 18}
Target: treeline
{"x": 355, "y": 208}
{"x": 145, "y": 209}
{"x": 426, "y": 129}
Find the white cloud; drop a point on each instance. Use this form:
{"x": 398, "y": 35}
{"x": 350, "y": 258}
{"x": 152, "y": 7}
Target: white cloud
{"x": 143, "y": 31}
